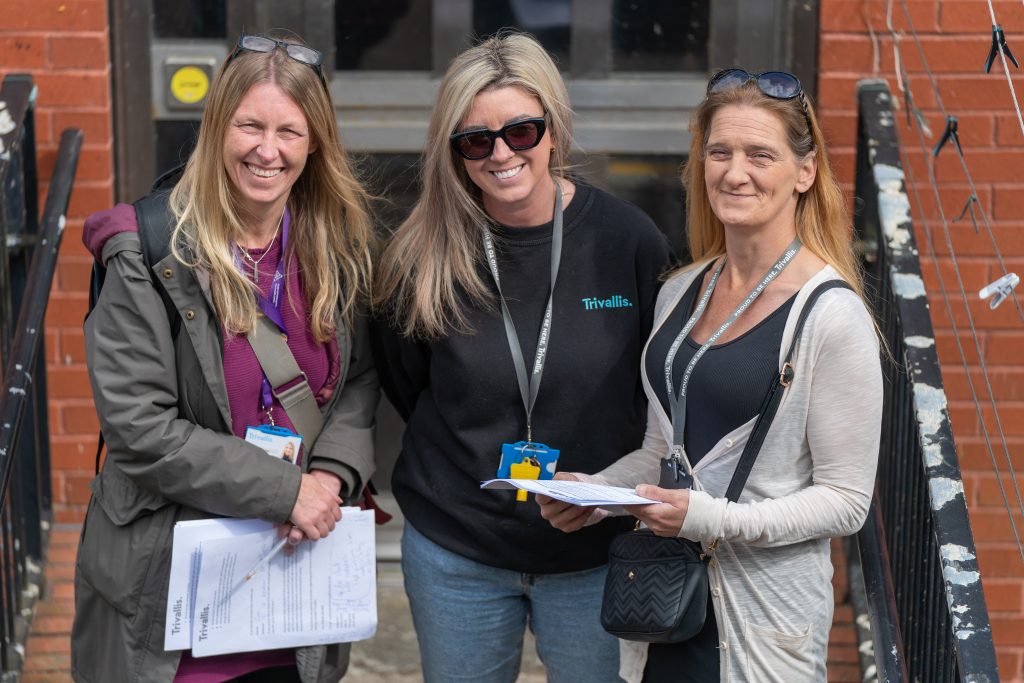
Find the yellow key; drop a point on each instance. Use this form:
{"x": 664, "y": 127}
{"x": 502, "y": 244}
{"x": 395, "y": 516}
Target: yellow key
{"x": 527, "y": 469}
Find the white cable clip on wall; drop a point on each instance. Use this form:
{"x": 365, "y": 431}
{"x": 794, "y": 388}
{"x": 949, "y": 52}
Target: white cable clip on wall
{"x": 1000, "y": 289}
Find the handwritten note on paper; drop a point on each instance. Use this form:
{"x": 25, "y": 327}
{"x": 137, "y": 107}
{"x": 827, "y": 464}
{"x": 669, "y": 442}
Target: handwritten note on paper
{"x": 325, "y": 592}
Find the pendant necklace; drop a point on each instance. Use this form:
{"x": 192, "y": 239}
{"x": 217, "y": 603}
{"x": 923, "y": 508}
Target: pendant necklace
{"x": 256, "y": 262}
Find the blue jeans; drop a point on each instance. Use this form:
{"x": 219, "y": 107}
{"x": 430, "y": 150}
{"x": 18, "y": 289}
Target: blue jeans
{"x": 470, "y": 618}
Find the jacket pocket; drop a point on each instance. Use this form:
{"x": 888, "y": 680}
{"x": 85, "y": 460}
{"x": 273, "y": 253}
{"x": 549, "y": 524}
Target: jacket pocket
{"x": 118, "y": 546}
{"x": 776, "y": 656}
{"x": 121, "y": 498}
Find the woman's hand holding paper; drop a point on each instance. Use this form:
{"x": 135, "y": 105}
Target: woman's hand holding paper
{"x": 665, "y": 518}
{"x": 316, "y": 509}
{"x": 563, "y": 516}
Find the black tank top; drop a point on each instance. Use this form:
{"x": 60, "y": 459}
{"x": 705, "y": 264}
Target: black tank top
{"x": 728, "y": 383}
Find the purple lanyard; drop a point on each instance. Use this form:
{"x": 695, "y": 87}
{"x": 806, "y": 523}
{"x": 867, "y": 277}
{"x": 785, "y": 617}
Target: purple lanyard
{"x": 271, "y": 307}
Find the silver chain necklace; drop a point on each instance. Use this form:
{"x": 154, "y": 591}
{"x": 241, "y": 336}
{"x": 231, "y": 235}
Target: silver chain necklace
{"x": 256, "y": 262}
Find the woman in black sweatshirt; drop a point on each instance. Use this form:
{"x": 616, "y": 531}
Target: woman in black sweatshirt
{"x": 512, "y": 306}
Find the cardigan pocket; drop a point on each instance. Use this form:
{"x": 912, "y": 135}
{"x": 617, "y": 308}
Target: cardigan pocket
{"x": 774, "y": 656}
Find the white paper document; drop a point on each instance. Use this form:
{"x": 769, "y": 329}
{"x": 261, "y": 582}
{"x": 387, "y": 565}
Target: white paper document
{"x": 325, "y": 592}
{"x": 575, "y": 492}
{"x": 185, "y": 558}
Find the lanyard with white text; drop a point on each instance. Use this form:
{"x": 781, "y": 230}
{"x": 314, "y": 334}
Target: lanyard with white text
{"x": 678, "y": 403}
{"x": 528, "y": 388}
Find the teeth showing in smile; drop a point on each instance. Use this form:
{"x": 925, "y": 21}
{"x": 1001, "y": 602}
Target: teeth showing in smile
{"x": 263, "y": 172}
{"x": 510, "y": 173}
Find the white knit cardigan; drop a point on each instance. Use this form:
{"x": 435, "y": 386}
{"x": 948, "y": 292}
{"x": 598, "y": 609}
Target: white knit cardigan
{"x": 813, "y": 479}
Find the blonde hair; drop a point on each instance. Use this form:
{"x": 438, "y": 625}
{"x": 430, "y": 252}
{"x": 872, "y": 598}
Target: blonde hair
{"x": 331, "y": 234}
{"x": 433, "y": 256}
{"x": 822, "y": 219}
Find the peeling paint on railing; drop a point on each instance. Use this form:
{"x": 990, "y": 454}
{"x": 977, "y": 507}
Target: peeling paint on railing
{"x": 908, "y": 285}
{"x": 918, "y": 381}
{"x": 893, "y": 205}
{"x": 944, "y": 490}
{"x": 931, "y": 406}
{"x": 920, "y": 342}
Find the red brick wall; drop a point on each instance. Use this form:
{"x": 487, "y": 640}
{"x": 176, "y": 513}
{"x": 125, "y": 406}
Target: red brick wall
{"x": 65, "y": 46}
{"x": 956, "y": 36}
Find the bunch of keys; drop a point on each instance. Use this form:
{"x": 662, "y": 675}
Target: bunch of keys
{"x": 673, "y": 472}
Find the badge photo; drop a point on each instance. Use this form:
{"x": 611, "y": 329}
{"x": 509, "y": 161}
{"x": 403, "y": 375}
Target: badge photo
{"x": 276, "y": 441}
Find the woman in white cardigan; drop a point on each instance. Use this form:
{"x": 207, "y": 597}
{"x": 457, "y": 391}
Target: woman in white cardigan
{"x": 767, "y": 224}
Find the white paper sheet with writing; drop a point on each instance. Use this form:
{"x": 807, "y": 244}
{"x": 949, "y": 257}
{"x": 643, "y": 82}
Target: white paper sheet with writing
{"x": 575, "y": 492}
{"x": 185, "y": 558}
{"x": 326, "y": 592}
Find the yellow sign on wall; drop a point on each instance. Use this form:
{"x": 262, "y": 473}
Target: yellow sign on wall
{"x": 189, "y": 84}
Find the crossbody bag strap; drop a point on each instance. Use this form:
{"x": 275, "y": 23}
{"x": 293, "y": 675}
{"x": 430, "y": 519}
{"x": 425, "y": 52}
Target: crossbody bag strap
{"x": 281, "y": 370}
{"x": 770, "y": 405}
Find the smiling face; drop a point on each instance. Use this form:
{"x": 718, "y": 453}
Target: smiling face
{"x": 516, "y": 186}
{"x": 266, "y": 146}
{"x": 752, "y": 176}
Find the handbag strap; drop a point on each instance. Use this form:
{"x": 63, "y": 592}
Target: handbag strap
{"x": 770, "y": 405}
{"x": 281, "y": 370}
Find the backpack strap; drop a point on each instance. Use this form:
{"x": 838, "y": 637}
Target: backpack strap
{"x": 770, "y": 405}
{"x": 156, "y": 225}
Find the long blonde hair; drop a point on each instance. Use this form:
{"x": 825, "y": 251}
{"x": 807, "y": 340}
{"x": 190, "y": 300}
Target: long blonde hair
{"x": 822, "y": 219}
{"x": 331, "y": 234}
{"x": 433, "y": 256}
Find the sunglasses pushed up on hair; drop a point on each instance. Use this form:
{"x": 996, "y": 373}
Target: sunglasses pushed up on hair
{"x": 518, "y": 135}
{"x": 300, "y": 53}
{"x": 778, "y": 85}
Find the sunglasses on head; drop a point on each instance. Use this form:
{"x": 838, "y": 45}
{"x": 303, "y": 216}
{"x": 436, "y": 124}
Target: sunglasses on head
{"x": 778, "y": 85}
{"x": 300, "y": 53}
{"x": 518, "y": 135}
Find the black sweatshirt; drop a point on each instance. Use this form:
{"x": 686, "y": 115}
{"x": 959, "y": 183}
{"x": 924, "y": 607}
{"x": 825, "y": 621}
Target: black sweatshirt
{"x": 461, "y": 401}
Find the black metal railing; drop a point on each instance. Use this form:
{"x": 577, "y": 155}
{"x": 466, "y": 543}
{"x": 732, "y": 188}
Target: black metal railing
{"x": 927, "y": 608}
{"x": 28, "y": 259}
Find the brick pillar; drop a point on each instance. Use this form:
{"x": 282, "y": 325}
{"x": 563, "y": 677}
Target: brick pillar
{"x": 955, "y": 36}
{"x": 66, "y": 48}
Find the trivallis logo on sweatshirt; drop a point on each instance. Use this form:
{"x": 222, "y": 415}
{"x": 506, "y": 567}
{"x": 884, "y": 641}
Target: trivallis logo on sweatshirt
{"x": 615, "y": 301}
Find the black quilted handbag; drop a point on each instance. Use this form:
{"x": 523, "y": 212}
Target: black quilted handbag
{"x": 656, "y": 590}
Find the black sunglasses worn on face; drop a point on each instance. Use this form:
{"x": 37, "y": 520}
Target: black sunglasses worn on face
{"x": 300, "y": 53}
{"x": 518, "y": 135}
{"x": 778, "y": 85}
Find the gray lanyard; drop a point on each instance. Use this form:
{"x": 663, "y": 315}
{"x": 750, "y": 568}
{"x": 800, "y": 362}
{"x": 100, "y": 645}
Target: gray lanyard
{"x": 678, "y": 403}
{"x": 528, "y": 388}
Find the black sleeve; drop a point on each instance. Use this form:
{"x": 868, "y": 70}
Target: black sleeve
{"x": 403, "y": 365}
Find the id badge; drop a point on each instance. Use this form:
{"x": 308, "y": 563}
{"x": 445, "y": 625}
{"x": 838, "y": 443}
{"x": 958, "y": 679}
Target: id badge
{"x": 278, "y": 442}
{"x": 527, "y": 460}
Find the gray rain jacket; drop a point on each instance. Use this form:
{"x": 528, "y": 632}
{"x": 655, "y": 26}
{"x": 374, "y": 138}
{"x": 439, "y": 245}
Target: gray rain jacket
{"x": 163, "y": 409}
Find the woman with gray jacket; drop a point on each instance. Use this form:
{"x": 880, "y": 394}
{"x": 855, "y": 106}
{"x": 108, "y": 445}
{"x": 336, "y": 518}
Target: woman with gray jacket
{"x": 268, "y": 220}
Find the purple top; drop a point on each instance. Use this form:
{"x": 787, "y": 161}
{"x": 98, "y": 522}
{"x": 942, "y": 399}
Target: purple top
{"x": 242, "y": 372}
{"x": 243, "y": 377}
